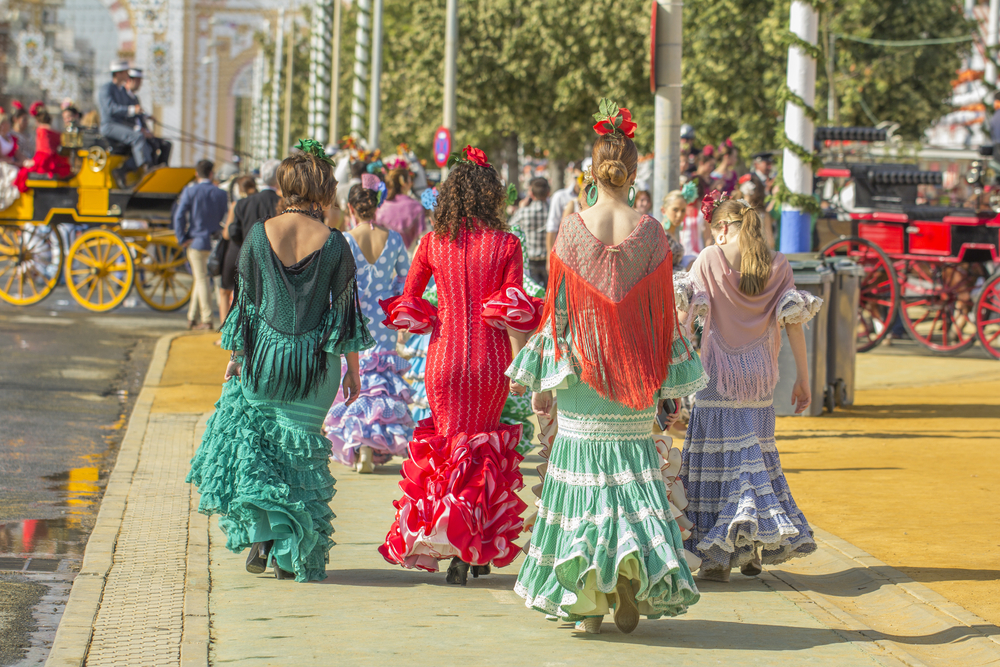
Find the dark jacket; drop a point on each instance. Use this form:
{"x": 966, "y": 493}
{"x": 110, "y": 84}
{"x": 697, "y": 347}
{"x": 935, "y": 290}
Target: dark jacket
{"x": 199, "y": 214}
{"x": 249, "y": 211}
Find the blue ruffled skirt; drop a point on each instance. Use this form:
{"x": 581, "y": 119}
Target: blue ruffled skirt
{"x": 739, "y": 499}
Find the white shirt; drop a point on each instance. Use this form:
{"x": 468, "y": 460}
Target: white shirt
{"x": 556, "y": 205}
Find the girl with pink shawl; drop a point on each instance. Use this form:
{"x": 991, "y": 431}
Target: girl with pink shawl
{"x": 739, "y": 501}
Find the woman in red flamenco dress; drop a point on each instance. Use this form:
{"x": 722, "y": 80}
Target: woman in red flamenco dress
{"x": 47, "y": 159}
{"x": 460, "y": 482}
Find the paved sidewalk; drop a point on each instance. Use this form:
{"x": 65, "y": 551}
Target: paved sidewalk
{"x": 158, "y": 587}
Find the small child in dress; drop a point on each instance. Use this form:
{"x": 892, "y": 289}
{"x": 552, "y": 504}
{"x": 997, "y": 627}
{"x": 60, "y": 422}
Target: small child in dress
{"x": 47, "y": 159}
{"x": 742, "y": 509}
{"x": 674, "y": 210}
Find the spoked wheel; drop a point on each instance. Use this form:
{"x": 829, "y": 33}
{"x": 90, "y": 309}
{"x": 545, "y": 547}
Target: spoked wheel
{"x": 879, "y": 300}
{"x": 937, "y": 304}
{"x": 30, "y": 259}
{"x": 163, "y": 279}
{"x": 99, "y": 270}
{"x": 988, "y": 316}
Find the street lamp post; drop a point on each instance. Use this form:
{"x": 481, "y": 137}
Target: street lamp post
{"x": 335, "y": 73}
{"x": 450, "y": 57}
{"x": 375, "y": 97}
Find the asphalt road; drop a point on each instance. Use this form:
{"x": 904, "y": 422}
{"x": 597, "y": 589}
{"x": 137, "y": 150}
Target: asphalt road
{"x": 68, "y": 379}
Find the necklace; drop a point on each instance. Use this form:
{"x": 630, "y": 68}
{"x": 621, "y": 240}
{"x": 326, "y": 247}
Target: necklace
{"x": 312, "y": 213}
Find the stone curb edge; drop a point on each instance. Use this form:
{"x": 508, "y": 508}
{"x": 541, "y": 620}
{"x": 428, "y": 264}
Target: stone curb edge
{"x": 195, "y": 634}
{"x": 72, "y": 640}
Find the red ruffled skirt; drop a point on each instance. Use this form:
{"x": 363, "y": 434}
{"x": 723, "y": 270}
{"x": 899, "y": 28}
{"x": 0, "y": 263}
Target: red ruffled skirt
{"x": 50, "y": 164}
{"x": 459, "y": 499}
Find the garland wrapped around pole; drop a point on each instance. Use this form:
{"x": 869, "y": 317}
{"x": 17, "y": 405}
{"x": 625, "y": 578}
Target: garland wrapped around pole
{"x": 794, "y": 183}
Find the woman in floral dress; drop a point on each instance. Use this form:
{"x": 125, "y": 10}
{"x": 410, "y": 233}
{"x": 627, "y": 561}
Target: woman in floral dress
{"x": 378, "y": 425}
{"x": 605, "y": 534}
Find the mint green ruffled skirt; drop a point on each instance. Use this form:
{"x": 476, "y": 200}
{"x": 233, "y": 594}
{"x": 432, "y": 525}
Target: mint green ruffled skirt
{"x": 604, "y": 510}
{"x": 264, "y": 466}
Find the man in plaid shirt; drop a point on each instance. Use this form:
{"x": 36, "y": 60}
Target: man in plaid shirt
{"x": 531, "y": 217}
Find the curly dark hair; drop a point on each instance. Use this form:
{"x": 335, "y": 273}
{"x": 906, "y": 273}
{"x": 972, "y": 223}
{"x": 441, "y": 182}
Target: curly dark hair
{"x": 470, "y": 193}
{"x": 364, "y": 202}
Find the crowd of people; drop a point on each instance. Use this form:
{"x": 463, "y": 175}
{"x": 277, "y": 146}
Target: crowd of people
{"x": 470, "y": 310}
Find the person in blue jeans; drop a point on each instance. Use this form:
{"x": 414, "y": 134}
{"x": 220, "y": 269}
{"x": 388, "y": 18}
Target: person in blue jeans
{"x": 199, "y": 214}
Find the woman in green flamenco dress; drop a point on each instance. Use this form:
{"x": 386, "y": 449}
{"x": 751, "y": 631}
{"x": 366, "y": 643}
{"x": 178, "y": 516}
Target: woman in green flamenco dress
{"x": 263, "y": 463}
{"x": 605, "y": 535}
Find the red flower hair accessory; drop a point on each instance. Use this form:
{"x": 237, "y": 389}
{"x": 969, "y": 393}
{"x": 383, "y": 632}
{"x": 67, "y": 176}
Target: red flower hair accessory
{"x": 398, "y": 163}
{"x": 35, "y": 106}
{"x": 710, "y": 202}
{"x": 611, "y": 119}
{"x": 470, "y": 154}
{"x": 709, "y": 149}
{"x": 744, "y": 178}
{"x": 16, "y": 104}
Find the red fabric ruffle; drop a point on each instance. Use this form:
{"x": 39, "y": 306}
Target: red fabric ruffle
{"x": 409, "y": 313}
{"x": 55, "y": 166}
{"x": 459, "y": 499}
{"x": 511, "y": 306}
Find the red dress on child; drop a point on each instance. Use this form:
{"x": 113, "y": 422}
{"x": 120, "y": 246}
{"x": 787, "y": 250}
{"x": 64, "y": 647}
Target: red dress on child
{"x": 47, "y": 159}
{"x": 459, "y": 484}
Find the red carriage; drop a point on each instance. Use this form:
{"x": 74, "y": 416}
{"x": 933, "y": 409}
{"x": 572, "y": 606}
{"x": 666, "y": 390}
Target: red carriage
{"x": 933, "y": 267}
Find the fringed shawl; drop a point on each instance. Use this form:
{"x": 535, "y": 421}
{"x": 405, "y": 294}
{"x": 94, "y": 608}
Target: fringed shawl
{"x": 297, "y": 311}
{"x": 620, "y": 301}
{"x": 742, "y": 339}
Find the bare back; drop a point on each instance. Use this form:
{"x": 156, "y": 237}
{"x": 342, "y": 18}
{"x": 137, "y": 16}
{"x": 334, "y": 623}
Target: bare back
{"x": 371, "y": 240}
{"x": 611, "y": 222}
{"x": 294, "y": 236}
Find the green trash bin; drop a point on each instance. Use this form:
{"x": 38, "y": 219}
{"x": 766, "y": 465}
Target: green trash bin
{"x": 814, "y": 276}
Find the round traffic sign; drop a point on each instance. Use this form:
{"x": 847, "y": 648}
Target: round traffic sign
{"x": 442, "y": 146}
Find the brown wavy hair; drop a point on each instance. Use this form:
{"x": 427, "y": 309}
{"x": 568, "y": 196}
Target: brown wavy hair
{"x": 364, "y": 201}
{"x": 755, "y": 256}
{"x": 394, "y": 182}
{"x": 471, "y": 197}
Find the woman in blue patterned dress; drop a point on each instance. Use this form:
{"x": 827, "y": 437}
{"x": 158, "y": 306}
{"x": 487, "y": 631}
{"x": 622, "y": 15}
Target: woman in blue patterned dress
{"x": 378, "y": 425}
{"x": 742, "y": 509}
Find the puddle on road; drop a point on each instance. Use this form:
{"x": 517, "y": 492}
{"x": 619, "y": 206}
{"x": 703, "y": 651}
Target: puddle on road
{"x": 56, "y": 538}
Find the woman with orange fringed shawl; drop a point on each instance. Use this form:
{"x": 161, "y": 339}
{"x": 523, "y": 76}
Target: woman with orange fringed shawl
{"x": 609, "y": 345}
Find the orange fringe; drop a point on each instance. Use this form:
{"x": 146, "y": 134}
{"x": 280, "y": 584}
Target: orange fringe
{"x": 624, "y": 348}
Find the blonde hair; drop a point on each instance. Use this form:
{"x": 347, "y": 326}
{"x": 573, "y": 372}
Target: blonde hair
{"x": 672, "y": 195}
{"x": 755, "y": 256}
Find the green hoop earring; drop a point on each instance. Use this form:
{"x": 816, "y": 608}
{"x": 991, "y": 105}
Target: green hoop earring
{"x": 592, "y": 195}
{"x": 631, "y": 195}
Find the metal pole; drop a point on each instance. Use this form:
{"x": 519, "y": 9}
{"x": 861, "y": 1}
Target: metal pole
{"x": 319, "y": 70}
{"x": 360, "y": 68}
{"x": 286, "y": 138}
{"x": 272, "y": 130}
{"x": 992, "y": 30}
{"x": 450, "y": 58}
{"x": 831, "y": 70}
{"x": 375, "y": 97}
{"x": 669, "y": 47}
{"x": 795, "y": 224}
{"x": 335, "y": 73}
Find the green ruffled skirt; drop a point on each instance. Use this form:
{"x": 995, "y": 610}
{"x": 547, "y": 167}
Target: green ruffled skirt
{"x": 264, "y": 466}
{"x": 604, "y": 510}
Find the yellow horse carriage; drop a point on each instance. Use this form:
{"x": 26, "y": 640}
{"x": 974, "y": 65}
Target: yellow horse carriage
{"x": 116, "y": 238}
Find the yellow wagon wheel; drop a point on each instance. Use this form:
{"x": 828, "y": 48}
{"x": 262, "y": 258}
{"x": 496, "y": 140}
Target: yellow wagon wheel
{"x": 99, "y": 270}
{"x": 163, "y": 279}
{"x": 30, "y": 259}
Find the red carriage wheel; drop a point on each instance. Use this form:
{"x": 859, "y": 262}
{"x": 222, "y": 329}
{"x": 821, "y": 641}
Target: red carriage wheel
{"x": 988, "y": 316}
{"x": 879, "y": 300}
{"x": 937, "y": 304}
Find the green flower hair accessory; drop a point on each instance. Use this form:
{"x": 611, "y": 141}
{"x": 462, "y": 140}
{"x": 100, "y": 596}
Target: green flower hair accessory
{"x": 511, "y": 194}
{"x": 689, "y": 192}
{"x": 314, "y": 148}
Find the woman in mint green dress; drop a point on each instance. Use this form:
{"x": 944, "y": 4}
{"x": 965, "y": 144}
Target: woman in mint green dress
{"x": 263, "y": 463}
{"x": 605, "y": 534}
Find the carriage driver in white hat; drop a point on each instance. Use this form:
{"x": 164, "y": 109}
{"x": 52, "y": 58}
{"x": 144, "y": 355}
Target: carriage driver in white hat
{"x": 118, "y": 121}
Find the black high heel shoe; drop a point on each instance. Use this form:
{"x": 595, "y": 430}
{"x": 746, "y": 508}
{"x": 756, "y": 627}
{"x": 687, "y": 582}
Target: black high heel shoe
{"x": 478, "y": 570}
{"x": 279, "y": 573}
{"x": 257, "y": 559}
{"x": 458, "y": 572}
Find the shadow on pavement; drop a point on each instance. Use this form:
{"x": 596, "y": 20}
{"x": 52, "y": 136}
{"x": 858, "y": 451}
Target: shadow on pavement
{"x": 920, "y": 410}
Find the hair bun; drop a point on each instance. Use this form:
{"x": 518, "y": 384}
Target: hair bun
{"x": 612, "y": 172}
